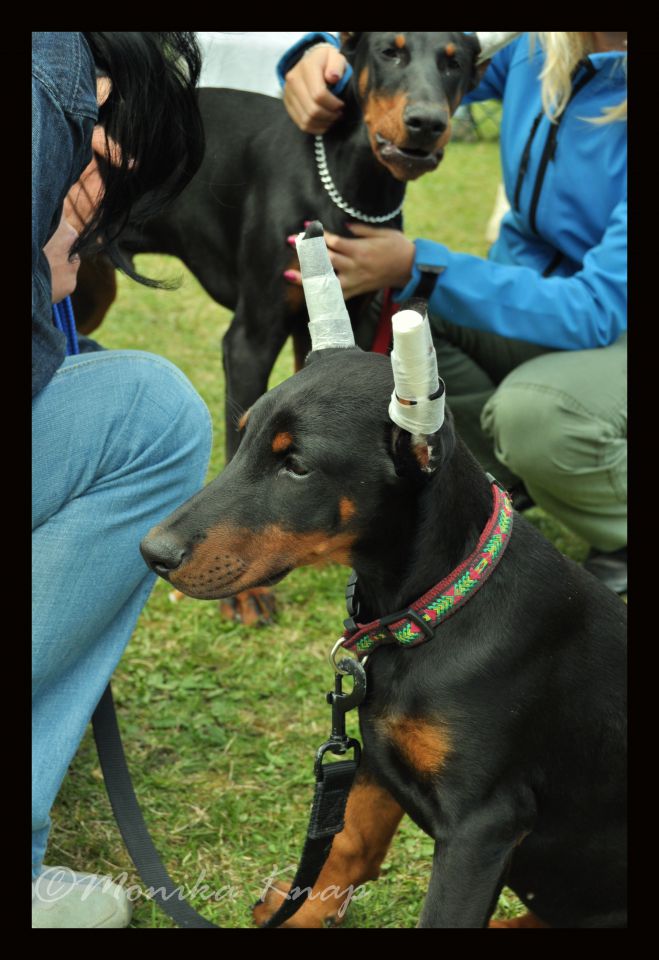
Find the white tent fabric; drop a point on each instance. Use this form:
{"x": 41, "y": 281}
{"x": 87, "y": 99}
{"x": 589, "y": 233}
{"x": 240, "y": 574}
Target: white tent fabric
{"x": 244, "y": 60}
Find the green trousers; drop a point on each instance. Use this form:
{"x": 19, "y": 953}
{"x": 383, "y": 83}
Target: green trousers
{"x": 555, "y": 419}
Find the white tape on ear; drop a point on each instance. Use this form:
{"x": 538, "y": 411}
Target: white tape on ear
{"x": 414, "y": 364}
{"x": 491, "y": 43}
{"x": 329, "y": 321}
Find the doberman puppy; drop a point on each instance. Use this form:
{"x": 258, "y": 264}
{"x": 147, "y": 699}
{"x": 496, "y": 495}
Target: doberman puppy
{"x": 260, "y": 180}
{"x": 502, "y": 736}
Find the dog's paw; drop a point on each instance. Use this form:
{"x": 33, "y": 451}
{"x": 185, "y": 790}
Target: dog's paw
{"x": 255, "y": 607}
{"x": 526, "y": 920}
{"x": 312, "y": 914}
{"x": 264, "y": 909}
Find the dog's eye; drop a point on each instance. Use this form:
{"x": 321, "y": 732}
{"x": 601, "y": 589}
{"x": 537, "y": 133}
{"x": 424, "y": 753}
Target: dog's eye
{"x": 449, "y": 65}
{"x": 397, "y": 55}
{"x": 294, "y": 467}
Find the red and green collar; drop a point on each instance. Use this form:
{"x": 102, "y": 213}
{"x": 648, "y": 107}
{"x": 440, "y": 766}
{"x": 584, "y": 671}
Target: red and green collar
{"x": 409, "y": 628}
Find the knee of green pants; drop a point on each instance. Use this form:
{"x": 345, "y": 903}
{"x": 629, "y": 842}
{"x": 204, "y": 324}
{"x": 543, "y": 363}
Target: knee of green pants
{"x": 573, "y": 463}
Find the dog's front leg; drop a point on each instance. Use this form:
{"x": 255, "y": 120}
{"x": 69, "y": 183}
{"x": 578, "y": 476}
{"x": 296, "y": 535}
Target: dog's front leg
{"x": 371, "y": 820}
{"x": 468, "y": 872}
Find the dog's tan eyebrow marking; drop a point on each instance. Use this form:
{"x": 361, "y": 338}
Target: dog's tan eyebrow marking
{"x": 400, "y": 41}
{"x": 449, "y": 49}
{"x": 242, "y": 423}
{"x": 282, "y": 441}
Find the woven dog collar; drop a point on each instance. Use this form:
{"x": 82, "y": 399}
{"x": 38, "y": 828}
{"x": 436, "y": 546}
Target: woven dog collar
{"x": 409, "y": 628}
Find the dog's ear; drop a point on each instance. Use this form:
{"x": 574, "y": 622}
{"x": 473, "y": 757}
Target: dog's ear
{"x": 329, "y": 320}
{"x": 349, "y": 43}
{"x": 417, "y": 402}
{"x": 417, "y": 457}
{"x": 483, "y": 46}
{"x": 477, "y": 69}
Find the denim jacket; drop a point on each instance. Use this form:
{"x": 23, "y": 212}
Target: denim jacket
{"x": 64, "y": 112}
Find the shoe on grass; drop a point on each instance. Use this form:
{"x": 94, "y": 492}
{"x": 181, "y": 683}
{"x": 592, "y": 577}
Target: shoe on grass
{"x": 63, "y": 898}
{"x": 610, "y": 568}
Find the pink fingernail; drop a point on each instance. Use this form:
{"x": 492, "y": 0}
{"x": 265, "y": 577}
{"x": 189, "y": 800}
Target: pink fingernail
{"x": 307, "y": 222}
{"x": 291, "y": 239}
{"x": 290, "y": 274}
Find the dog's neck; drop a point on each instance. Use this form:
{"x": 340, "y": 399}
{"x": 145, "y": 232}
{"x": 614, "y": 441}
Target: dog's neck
{"x": 358, "y": 175}
{"x": 429, "y": 530}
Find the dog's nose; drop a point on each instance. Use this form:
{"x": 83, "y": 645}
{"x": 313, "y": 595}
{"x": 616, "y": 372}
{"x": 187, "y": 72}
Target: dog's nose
{"x": 162, "y": 553}
{"x": 425, "y": 120}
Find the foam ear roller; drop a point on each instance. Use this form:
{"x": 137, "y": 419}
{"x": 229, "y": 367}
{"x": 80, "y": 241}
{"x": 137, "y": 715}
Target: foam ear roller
{"x": 416, "y": 379}
{"x": 329, "y": 321}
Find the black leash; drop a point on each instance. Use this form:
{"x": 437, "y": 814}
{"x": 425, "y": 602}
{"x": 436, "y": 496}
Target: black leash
{"x": 333, "y": 783}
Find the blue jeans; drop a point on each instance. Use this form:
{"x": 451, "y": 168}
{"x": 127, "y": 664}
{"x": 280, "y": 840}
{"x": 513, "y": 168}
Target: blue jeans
{"x": 120, "y": 439}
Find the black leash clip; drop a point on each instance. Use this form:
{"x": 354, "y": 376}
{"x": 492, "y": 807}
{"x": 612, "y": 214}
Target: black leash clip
{"x": 339, "y": 743}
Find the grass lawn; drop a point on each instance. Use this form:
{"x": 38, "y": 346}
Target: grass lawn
{"x": 221, "y": 722}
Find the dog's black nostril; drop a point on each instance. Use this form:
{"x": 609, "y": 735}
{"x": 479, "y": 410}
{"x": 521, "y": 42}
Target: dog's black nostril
{"x": 425, "y": 121}
{"x": 162, "y": 553}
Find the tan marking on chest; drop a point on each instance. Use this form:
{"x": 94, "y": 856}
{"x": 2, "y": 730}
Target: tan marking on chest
{"x": 347, "y": 509}
{"x": 424, "y": 744}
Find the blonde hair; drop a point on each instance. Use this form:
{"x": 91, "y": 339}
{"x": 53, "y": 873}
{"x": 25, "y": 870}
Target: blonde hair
{"x": 563, "y": 51}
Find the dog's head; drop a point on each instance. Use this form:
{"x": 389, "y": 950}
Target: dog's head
{"x": 325, "y": 458}
{"x": 320, "y": 467}
{"x": 409, "y": 85}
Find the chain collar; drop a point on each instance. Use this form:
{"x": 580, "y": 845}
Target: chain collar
{"x": 328, "y": 183}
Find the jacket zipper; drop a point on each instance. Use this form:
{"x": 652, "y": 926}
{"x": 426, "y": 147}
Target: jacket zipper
{"x": 551, "y": 143}
{"x": 524, "y": 162}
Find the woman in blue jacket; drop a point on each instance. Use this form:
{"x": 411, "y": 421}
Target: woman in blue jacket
{"x": 531, "y": 341}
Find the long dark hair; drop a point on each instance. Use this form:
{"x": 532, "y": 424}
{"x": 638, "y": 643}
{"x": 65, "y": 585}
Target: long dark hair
{"x": 152, "y": 114}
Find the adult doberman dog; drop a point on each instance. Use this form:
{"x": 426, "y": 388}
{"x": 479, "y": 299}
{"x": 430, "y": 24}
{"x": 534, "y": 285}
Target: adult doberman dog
{"x": 260, "y": 180}
{"x": 503, "y": 734}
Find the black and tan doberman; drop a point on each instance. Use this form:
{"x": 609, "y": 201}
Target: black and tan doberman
{"x": 502, "y": 736}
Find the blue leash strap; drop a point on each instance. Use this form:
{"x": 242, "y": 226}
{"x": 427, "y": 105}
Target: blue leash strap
{"x": 64, "y": 320}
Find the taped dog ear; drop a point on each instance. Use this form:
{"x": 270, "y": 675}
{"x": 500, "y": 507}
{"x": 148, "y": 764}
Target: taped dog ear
{"x": 418, "y": 399}
{"x": 491, "y": 43}
{"x": 329, "y": 320}
{"x": 417, "y": 457}
{"x": 484, "y": 45}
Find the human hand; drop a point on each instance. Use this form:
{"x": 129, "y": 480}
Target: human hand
{"x": 375, "y": 259}
{"x": 63, "y": 268}
{"x": 310, "y": 104}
